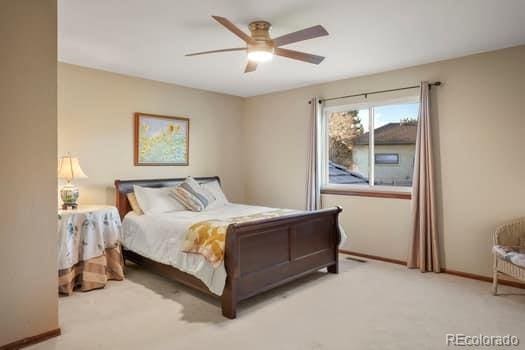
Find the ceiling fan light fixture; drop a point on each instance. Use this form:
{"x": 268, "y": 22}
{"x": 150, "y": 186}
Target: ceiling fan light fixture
{"x": 261, "y": 47}
{"x": 260, "y": 56}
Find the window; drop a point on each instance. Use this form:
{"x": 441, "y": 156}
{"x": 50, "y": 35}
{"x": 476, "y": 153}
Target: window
{"x": 371, "y": 144}
{"x": 387, "y": 158}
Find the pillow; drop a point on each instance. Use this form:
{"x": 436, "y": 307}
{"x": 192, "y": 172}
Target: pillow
{"x": 132, "y": 199}
{"x": 156, "y": 200}
{"x": 192, "y": 195}
{"x": 215, "y": 189}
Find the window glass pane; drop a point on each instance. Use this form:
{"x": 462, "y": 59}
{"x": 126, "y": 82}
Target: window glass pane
{"x": 395, "y": 128}
{"x": 387, "y": 158}
{"x": 348, "y": 147}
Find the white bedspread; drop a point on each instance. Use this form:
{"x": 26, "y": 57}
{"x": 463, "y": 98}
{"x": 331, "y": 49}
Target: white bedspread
{"x": 160, "y": 237}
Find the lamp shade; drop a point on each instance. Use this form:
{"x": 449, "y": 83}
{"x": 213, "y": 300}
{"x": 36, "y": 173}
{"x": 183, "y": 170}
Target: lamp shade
{"x": 69, "y": 169}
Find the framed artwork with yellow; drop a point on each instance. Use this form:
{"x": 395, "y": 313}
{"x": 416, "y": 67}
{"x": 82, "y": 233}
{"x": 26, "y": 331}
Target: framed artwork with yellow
{"x": 161, "y": 140}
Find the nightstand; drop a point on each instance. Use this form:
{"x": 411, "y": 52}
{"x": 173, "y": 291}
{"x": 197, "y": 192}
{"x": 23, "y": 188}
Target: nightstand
{"x": 89, "y": 252}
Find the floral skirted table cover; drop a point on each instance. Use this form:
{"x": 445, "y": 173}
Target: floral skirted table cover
{"x": 89, "y": 252}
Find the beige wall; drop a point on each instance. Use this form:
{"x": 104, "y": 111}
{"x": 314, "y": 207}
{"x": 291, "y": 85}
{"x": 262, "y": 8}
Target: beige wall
{"x": 478, "y": 127}
{"x": 374, "y": 223}
{"x": 28, "y": 280}
{"x": 95, "y": 123}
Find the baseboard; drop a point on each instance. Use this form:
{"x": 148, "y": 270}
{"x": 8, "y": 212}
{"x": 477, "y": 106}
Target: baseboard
{"x": 473, "y": 276}
{"x": 373, "y": 257}
{"x": 444, "y": 270}
{"x": 18, "y": 344}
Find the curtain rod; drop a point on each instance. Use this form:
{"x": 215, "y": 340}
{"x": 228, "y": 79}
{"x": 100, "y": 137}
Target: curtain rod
{"x": 365, "y": 94}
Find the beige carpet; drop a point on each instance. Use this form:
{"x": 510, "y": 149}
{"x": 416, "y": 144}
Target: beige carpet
{"x": 368, "y": 305}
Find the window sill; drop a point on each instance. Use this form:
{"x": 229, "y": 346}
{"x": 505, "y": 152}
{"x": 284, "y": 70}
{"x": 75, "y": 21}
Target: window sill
{"x": 368, "y": 192}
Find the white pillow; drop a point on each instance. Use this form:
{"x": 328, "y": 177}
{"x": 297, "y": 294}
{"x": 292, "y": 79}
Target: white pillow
{"x": 156, "y": 200}
{"x": 215, "y": 188}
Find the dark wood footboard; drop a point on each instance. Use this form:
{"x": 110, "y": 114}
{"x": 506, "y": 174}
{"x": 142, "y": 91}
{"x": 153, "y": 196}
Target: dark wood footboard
{"x": 260, "y": 254}
{"x": 264, "y": 254}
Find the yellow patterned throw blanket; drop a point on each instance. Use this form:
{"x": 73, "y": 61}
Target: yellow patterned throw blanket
{"x": 207, "y": 237}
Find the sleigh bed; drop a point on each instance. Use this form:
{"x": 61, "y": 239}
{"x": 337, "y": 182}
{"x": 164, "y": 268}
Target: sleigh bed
{"x": 259, "y": 255}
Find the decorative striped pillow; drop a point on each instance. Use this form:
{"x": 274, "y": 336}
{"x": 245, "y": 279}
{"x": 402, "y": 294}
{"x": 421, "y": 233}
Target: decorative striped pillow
{"x": 192, "y": 195}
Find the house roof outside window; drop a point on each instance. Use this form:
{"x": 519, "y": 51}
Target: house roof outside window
{"x": 340, "y": 175}
{"x": 403, "y": 133}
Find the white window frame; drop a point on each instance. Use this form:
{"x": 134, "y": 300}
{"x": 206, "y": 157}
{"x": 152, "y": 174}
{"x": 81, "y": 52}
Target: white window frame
{"x": 324, "y": 145}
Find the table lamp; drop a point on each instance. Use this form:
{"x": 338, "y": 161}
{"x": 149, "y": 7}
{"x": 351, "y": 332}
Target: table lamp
{"x": 69, "y": 169}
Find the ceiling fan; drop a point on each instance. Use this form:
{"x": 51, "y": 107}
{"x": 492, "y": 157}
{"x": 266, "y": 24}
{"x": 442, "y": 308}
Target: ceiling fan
{"x": 261, "y": 47}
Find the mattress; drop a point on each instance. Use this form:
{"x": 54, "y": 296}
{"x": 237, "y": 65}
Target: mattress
{"x": 160, "y": 237}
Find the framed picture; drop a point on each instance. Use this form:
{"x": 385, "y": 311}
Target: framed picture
{"x": 161, "y": 140}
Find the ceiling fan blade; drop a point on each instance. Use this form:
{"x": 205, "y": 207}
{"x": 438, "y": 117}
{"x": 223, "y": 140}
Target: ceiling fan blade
{"x": 251, "y": 66}
{"x": 298, "y": 55}
{"x": 300, "y": 35}
{"x": 215, "y": 51}
{"x": 234, "y": 29}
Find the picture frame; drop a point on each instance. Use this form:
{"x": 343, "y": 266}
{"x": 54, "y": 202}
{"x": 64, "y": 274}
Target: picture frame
{"x": 161, "y": 140}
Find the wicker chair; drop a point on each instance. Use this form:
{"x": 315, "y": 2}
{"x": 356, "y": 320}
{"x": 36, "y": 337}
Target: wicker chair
{"x": 509, "y": 236}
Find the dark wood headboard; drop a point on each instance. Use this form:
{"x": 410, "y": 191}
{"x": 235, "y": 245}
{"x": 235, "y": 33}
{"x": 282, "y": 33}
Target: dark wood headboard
{"x": 123, "y": 187}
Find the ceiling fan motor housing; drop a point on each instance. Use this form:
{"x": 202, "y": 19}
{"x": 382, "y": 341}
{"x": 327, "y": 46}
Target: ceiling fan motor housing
{"x": 260, "y": 31}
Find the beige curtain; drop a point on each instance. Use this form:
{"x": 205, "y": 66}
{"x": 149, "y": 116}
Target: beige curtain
{"x": 313, "y": 177}
{"x": 424, "y": 249}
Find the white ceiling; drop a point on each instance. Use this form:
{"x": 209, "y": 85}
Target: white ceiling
{"x": 148, "y": 38}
